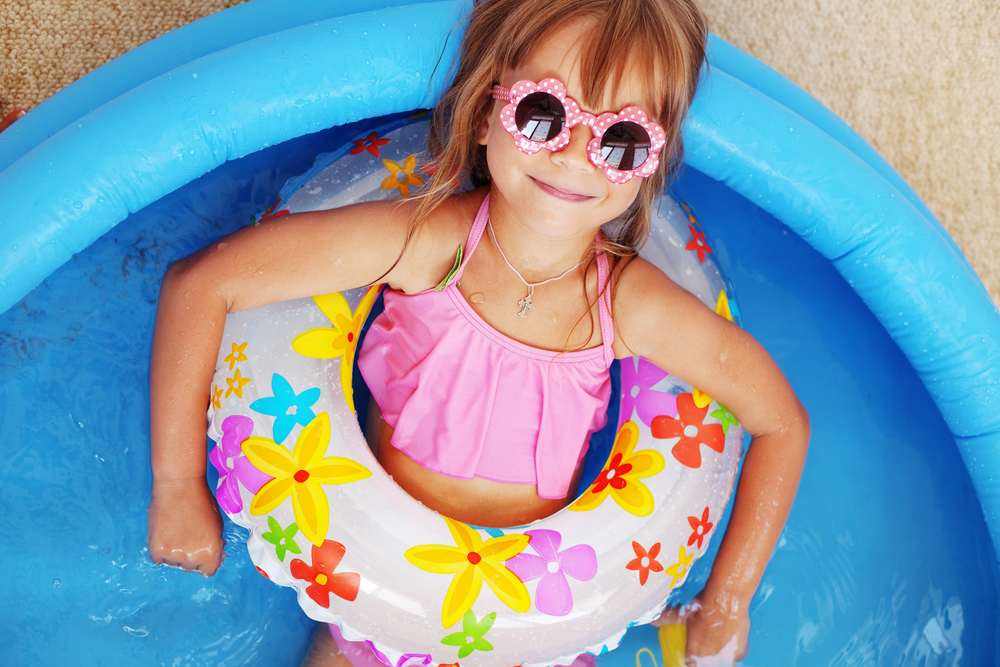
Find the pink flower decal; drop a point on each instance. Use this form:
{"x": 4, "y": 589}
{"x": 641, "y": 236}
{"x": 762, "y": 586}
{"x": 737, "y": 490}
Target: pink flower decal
{"x": 325, "y": 581}
{"x": 406, "y": 660}
{"x": 369, "y": 143}
{"x": 233, "y": 466}
{"x": 698, "y": 243}
{"x": 700, "y": 528}
{"x": 638, "y": 394}
{"x": 553, "y": 595}
{"x": 689, "y": 426}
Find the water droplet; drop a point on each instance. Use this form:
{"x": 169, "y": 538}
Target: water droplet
{"x": 791, "y": 129}
{"x": 194, "y": 76}
{"x": 213, "y": 112}
{"x": 78, "y": 204}
{"x": 56, "y": 583}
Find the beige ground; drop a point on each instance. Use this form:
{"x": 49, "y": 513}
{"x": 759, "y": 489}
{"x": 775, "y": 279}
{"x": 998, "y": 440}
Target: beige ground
{"x": 915, "y": 78}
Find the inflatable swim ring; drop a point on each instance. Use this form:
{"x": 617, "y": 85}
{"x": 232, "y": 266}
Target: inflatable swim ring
{"x": 842, "y": 273}
{"x": 294, "y": 468}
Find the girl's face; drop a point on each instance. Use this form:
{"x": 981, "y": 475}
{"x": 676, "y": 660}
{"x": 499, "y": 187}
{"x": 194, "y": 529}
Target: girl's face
{"x": 561, "y": 193}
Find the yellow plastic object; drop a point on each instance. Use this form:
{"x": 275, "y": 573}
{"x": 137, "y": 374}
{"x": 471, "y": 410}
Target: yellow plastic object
{"x": 673, "y": 644}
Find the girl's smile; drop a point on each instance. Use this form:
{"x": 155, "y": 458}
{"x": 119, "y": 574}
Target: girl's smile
{"x": 560, "y": 193}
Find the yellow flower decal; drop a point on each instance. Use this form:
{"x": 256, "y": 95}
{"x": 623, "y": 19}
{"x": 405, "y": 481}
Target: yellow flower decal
{"x": 236, "y": 384}
{"x": 301, "y": 474}
{"x": 722, "y": 306}
{"x": 472, "y": 562}
{"x": 620, "y": 478}
{"x": 216, "y": 396}
{"x": 701, "y": 399}
{"x": 236, "y": 355}
{"x": 340, "y": 340}
{"x": 679, "y": 569}
{"x": 401, "y": 177}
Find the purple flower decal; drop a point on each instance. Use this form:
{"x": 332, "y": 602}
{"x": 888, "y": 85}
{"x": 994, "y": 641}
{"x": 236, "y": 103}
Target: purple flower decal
{"x": 638, "y": 394}
{"x": 553, "y": 596}
{"x": 233, "y": 466}
{"x": 406, "y": 660}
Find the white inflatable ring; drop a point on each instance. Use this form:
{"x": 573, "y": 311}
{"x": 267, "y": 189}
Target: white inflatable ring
{"x": 325, "y": 519}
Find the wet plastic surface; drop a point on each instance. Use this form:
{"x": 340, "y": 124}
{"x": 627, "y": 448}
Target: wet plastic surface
{"x": 885, "y": 559}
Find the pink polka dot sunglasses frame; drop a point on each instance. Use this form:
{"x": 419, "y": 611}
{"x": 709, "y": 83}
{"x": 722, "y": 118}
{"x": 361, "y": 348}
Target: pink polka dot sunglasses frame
{"x": 574, "y": 116}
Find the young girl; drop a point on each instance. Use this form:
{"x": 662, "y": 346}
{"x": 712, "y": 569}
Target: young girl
{"x": 516, "y": 351}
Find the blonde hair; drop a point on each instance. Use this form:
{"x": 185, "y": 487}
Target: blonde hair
{"x": 669, "y": 36}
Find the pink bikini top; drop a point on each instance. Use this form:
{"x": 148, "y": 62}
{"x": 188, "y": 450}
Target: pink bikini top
{"x": 467, "y": 401}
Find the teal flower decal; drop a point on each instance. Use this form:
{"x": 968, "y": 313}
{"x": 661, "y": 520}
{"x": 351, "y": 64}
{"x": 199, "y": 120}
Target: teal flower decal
{"x": 725, "y": 416}
{"x": 471, "y": 637}
{"x": 283, "y": 539}
{"x": 287, "y": 407}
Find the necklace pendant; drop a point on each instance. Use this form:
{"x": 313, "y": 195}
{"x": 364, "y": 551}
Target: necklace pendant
{"x": 525, "y": 305}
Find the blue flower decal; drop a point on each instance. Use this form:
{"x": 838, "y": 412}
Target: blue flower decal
{"x": 286, "y": 407}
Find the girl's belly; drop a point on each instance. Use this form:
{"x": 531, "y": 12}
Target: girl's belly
{"x": 480, "y": 502}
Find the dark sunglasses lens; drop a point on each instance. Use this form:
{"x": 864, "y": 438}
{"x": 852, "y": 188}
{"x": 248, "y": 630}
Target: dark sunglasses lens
{"x": 625, "y": 146}
{"x": 540, "y": 117}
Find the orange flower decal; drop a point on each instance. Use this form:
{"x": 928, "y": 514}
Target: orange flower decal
{"x": 236, "y": 355}
{"x": 700, "y": 528}
{"x": 369, "y": 143}
{"x": 689, "y": 426}
{"x": 620, "y": 479}
{"x": 645, "y": 561}
{"x": 236, "y": 384}
{"x": 698, "y": 243}
{"x": 322, "y": 577}
{"x": 216, "y": 398}
{"x": 340, "y": 340}
{"x": 401, "y": 177}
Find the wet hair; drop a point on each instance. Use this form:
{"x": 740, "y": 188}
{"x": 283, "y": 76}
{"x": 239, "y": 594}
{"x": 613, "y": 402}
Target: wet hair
{"x": 667, "y": 36}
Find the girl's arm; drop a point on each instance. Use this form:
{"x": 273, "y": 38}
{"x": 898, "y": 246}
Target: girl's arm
{"x": 288, "y": 257}
{"x": 664, "y": 323}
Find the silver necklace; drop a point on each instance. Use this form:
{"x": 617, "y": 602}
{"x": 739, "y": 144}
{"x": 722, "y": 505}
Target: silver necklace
{"x": 525, "y": 304}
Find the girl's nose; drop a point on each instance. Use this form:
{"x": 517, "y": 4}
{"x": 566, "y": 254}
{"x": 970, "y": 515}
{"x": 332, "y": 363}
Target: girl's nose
{"x": 574, "y": 155}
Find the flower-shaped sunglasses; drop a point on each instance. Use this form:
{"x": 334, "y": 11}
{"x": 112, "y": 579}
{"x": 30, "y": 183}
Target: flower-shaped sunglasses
{"x": 540, "y": 115}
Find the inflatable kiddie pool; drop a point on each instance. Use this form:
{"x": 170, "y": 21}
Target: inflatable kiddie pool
{"x": 879, "y": 323}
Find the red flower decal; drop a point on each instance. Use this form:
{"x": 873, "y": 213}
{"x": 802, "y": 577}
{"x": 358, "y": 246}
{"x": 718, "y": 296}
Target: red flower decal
{"x": 271, "y": 213}
{"x": 698, "y": 243}
{"x": 612, "y": 475}
{"x": 689, "y": 426}
{"x": 321, "y": 573}
{"x": 369, "y": 143}
{"x": 645, "y": 561}
{"x": 700, "y": 528}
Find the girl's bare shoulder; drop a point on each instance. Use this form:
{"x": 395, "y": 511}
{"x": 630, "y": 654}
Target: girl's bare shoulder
{"x": 651, "y": 309}
{"x": 433, "y": 244}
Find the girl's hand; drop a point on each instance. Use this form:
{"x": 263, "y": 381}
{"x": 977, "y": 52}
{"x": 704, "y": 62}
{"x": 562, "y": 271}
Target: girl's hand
{"x": 717, "y": 630}
{"x": 185, "y": 527}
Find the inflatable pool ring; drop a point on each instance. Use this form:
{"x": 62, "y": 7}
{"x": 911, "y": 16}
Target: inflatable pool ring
{"x": 324, "y": 518}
